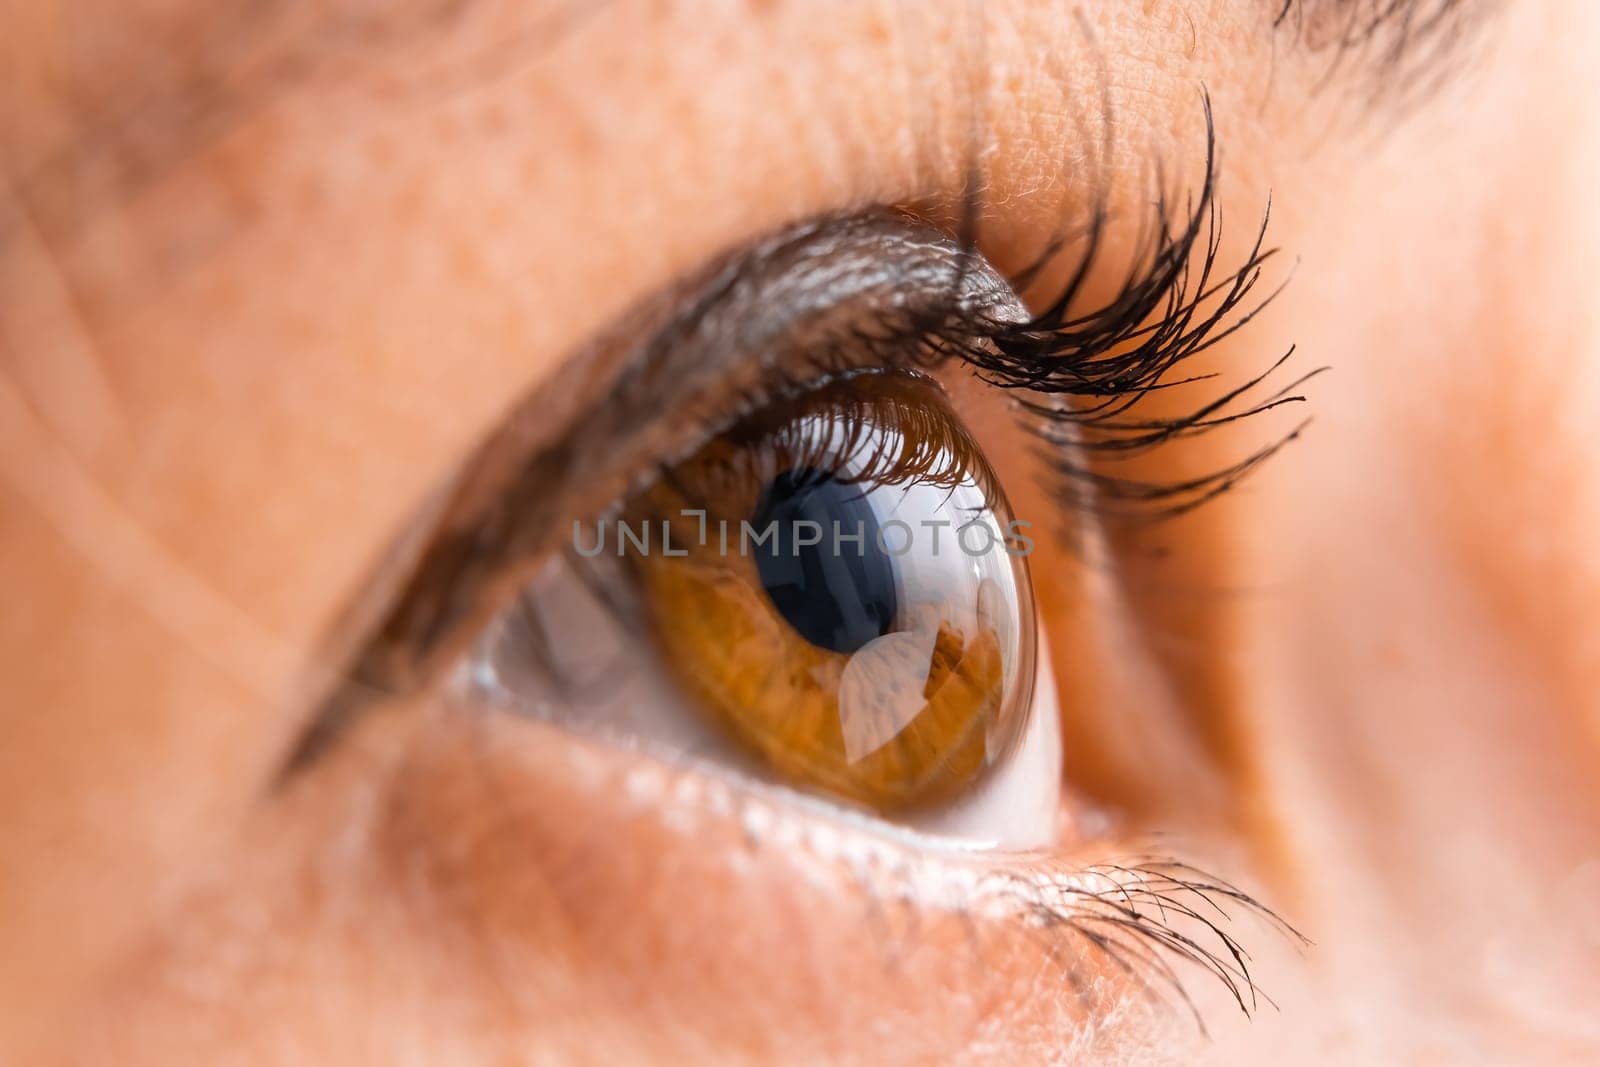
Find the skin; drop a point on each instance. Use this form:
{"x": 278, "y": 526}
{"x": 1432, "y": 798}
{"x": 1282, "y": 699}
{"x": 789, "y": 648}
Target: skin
{"x": 236, "y": 362}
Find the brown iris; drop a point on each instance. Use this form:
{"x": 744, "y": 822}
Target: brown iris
{"x": 839, "y": 592}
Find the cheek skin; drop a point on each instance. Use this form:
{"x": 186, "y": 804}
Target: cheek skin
{"x": 1422, "y": 687}
{"x": 509, "y": 893}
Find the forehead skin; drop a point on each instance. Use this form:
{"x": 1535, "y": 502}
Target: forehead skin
{"x": 262, "y": 284}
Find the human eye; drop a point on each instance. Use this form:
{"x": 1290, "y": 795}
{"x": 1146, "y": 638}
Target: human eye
{"x": 769, "y": 544}
{"x": 829, "y": 590}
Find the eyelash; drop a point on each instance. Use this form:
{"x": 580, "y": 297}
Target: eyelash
{"x": 1150, "y": 916}
{"x": 1127, "y": 912}
{"x": 922, "y": 448}
{"x": 1111, "y": 358}
{"x": 1101, "y": 362}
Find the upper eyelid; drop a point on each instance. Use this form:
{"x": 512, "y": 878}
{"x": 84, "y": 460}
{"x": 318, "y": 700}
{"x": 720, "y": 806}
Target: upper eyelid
{"x": 767, "y": 308}
{"x": 692, "y": 346}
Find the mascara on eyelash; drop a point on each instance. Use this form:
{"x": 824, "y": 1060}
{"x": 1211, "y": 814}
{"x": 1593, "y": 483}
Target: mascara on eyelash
{"x": 1099, "y": 365}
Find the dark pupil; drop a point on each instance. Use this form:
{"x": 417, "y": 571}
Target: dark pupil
{"x": 838, "y": 595}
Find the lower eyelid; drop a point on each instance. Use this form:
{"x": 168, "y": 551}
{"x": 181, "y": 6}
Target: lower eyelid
{"x": 670, "y": 890}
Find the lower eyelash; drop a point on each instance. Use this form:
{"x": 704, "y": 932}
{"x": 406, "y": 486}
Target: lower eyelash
{"x": 1150, "y": 917}
{"x": 1154, "y": 919}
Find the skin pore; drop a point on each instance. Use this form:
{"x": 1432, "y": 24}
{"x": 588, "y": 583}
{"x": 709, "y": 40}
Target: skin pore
{"x": 269, "y": 273}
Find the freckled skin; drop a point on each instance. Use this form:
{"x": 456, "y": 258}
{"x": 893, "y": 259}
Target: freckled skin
{"x": 233, "y": 364}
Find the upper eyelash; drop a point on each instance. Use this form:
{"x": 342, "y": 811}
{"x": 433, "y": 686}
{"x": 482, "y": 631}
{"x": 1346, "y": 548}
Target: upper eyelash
{"x": 1112, "y": 357}
{"x": 886, "y": 438}
{"x": 1173, "y": 304}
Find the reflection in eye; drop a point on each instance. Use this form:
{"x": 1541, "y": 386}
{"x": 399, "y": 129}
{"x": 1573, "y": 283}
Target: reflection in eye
{"x": 837, "y": 596}
{"x": 823, "y": 621}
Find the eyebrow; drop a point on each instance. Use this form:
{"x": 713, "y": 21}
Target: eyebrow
{"x": 167, "y": 89}
{"x": 188, "y": 82}
{"x": 1395, "y": 51}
